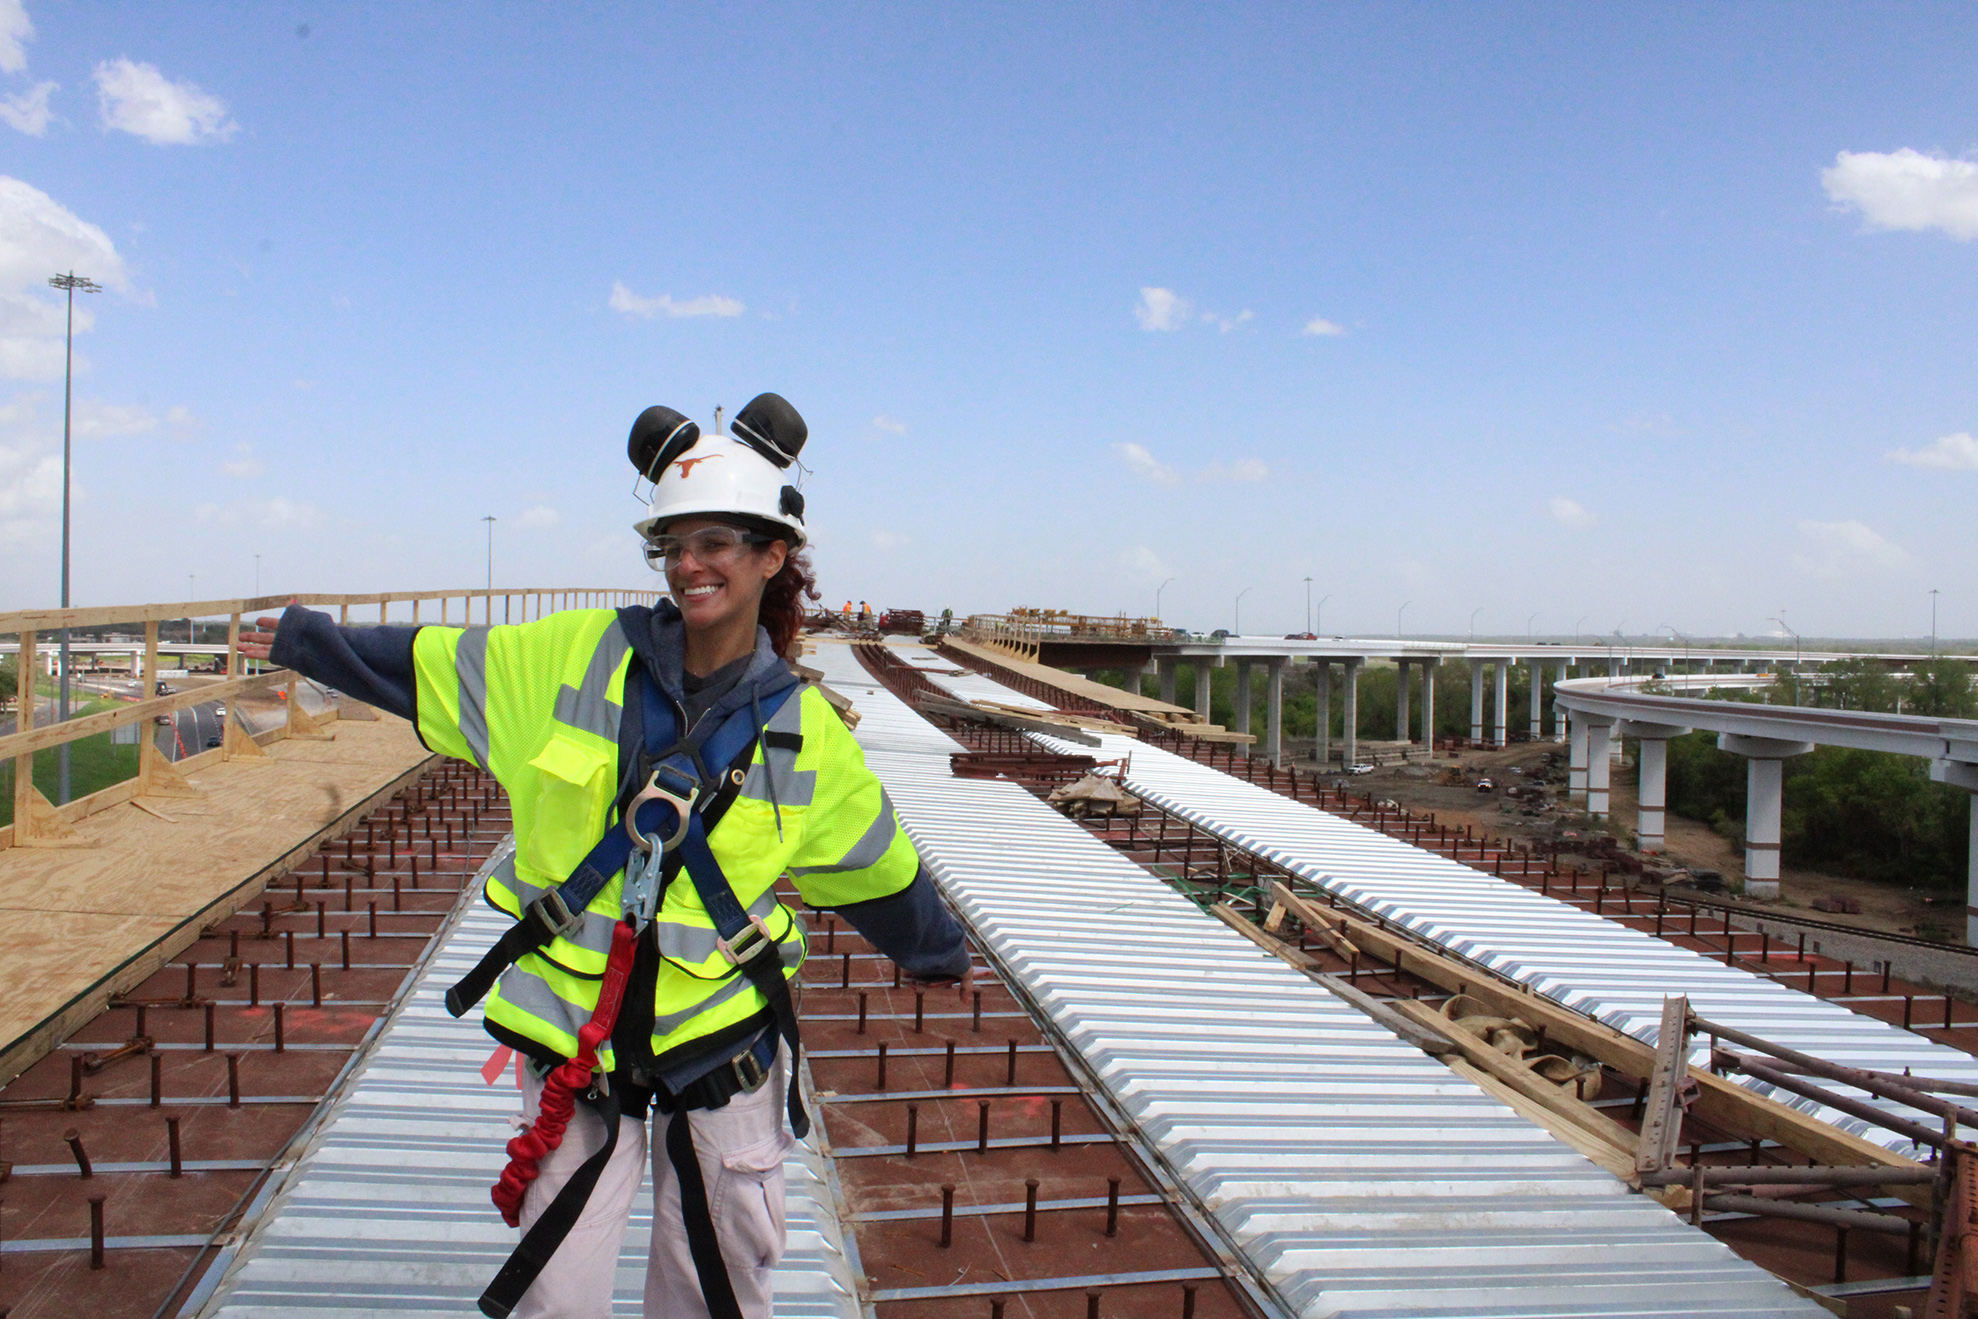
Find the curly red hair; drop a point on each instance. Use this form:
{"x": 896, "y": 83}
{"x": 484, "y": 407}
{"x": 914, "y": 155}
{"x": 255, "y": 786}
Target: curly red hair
{"x": 782, "y": 607}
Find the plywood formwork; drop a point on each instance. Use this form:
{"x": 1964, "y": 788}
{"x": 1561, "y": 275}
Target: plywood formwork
{"x": 1116, "y": 698}
{"x": 80, "y": 924}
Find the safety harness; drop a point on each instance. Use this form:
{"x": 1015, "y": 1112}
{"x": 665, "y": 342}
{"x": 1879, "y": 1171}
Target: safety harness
{"x": 664, "y": 816}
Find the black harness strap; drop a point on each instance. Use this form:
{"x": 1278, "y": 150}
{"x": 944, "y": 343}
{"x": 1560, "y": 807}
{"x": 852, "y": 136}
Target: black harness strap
{"x": 547, "y": 1233}
{"x": 698, "y": 1219}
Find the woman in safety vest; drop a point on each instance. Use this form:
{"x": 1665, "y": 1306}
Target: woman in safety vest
{"x": 647, "y": 970}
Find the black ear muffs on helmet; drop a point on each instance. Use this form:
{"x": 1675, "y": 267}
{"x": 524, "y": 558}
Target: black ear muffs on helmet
{"x": 771, "y": 427}
{"x": 659, "y": 436}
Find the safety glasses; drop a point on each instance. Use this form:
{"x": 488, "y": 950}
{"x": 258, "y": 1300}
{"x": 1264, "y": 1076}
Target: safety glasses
{"x": 708, "y": 545}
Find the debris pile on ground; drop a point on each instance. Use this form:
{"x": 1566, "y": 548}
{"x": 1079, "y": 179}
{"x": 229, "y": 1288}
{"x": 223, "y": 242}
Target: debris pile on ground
{"x": 1096, "y": 796}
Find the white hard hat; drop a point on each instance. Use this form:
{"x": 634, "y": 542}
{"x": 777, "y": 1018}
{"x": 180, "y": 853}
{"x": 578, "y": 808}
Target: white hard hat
{"x": 740, "y": 476}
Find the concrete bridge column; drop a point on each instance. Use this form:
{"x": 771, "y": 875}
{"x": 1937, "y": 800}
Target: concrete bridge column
{"x": 1240, "y": 721}
{"x": 1500, "y": 734}
{"x": 1765, "y": 779}
{"x": 1962, "y": 774}
{"x": 1476, "y": 702}
{"x": 1428, "y": 704}
{"x": 1538, "y": 696}
{"x": 1558, "y": 714}
{"x": 1350, "y": 722}
{"x": 1322, "y": 680}
{"x": 1576, "y": 762}
{"x": 1274, "y": 711}
{"x": 1401, "y": 720}
{"x": 1652, "y": 791}
{"x": 1169, "y": 669}
{"x": 1600, "y": 735}
{"x": 1202, "y": 689}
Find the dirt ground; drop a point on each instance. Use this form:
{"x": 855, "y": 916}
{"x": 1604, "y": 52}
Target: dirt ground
{"x": 1691, "y": 844}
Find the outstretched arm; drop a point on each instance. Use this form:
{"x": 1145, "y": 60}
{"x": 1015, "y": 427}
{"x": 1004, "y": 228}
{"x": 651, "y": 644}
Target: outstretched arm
{"x": 373, "y": 664}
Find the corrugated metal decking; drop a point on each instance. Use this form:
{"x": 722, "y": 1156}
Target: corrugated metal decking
{"x": 1357, "y": 1175}
{"x": 388, "y": 1213}
{"x": 1587, "y": 962}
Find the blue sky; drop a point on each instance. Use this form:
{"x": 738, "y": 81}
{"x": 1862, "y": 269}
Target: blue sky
{"x": 1613, "y": 315}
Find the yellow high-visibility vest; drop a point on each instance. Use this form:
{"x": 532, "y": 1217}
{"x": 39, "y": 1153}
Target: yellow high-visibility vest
{"x": 538, "y": 706}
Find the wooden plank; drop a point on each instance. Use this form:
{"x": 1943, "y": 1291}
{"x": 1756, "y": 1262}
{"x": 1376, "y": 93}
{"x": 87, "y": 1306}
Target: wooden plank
{"x": 98, "y": 616}
{"x": 48, "y": 735}
{"x": 1591, "y": 1147}
{"x": 1662, "y": 1114}
{"x": 24, "y": 723}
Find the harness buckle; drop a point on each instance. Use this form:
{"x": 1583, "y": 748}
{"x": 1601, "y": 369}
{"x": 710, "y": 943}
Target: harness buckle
{"x": 749, "y": 944}
{"x": 749, "y": 1073}
{"x": 554, "y": 915}
{"x": 676, "y": 788}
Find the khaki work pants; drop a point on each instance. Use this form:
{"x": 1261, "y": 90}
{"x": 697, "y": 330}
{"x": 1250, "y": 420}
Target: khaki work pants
{"x": 741, "y": 1148}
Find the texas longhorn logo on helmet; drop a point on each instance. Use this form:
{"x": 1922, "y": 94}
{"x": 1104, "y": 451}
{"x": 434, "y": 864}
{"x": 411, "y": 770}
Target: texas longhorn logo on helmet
{"x": 686, "y": 465}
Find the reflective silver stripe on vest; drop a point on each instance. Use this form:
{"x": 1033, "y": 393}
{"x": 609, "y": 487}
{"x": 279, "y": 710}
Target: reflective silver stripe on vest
{"x": 794, "y": 787}
{"x": 590, "y": 707}
{"x": 867, "y": 851}
{"x": 594, "y": 937}
{"x": 530, "y": 993}
{"x": 696, "y": 943}
{"x": 662, "y": 1026}
{"x": 470, "y": 671}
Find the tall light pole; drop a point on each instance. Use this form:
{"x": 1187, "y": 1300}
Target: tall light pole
{"x": 1796, "y": 652}
{"x": 1308, "y": 604}
{"x": 1398, "y": 634}
{"x": 1319, "y": 618}
{"x": 1528, "y": 624}
{"x": 1238, "y": 630}
{"x": 1933, "y": 622}
{"x": 70, "y": 284}
{"x": 1473, "y": 621}
{"x": 1157, "y": 596}
{"x": 490, "y": 520}
{"x": 190, "y": 639}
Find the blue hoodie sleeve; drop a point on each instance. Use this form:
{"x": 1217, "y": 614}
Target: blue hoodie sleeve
{"x": 914, "y": 929}
{"x": 373, "y": 664}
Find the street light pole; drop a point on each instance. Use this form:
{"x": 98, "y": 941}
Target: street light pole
{"x": 490, "y": 520}
{"x": 1238, "y": 630}
{"x": 1319, "y": 619}
{"x": 1796, "y": 653}
{"x": 1308, "y": 604}
{"x": 1398, "y": 634}
{"x": 1528, "y": 624}
{"x": 70, "y": 284}
{"x": 1473, "y": 621}
{"x": 190, "y": 639}
{"x": 1157, "y": 597}
{"x": 1933, "y": 622}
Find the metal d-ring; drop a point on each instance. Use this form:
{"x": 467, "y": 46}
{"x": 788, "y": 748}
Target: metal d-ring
{"x": 682, "y": 807}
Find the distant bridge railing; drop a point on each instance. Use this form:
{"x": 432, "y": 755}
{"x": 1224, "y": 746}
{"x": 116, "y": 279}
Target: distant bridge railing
{"x": 37, "y": 822}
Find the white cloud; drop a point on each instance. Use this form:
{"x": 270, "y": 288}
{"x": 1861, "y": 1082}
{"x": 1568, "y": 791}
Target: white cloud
{"x": 1243, "y": 469}
{"x": 1227, "y": 323}
{"x": 96, "y": 420}
{"x": 28, "y": 112}
{"x": 631, "y": 304}
{"x": 1569, "y": 513}
{"x": 38, "y": 236}
{"x": 1144, "y": 464}
{"x": 542, "y": 515}
{"x": 139, "y": 100}
{"x": 886, "y": 423}
{"x": 1906, "y": 189}
{"x": 1947, "y": 453}
{"x": 1319, "y": 325}
{"x": 15, "y": 31}
{"x": 180, "y": 418}
{"x": 887, "y": 540}
{"x": 1162, "y": 309}
{"x": 244, "y": 466}
{"x": 1841, "y": 548}
{"x": 1148, "y": 467}
{"x": 30, "y": 471}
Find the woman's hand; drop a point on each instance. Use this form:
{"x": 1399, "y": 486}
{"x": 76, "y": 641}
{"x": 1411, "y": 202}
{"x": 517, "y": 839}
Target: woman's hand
{"x": 964, "y": 988}
{"x": 257, "y": 644}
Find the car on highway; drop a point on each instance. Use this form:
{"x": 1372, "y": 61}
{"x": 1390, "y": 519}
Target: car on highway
{"x": 212, "y": 742}
{"x": 1360, "y": 769}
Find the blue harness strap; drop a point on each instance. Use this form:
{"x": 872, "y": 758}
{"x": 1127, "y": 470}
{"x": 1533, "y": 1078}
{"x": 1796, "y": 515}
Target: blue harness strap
{"x": 683, "y": 764}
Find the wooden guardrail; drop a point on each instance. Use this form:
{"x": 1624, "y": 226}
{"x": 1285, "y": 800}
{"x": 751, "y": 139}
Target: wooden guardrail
{"x": 40, "y": 823}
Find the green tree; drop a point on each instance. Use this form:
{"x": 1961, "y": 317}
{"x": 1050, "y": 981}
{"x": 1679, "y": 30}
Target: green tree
{"x": 1942, "y": 688}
